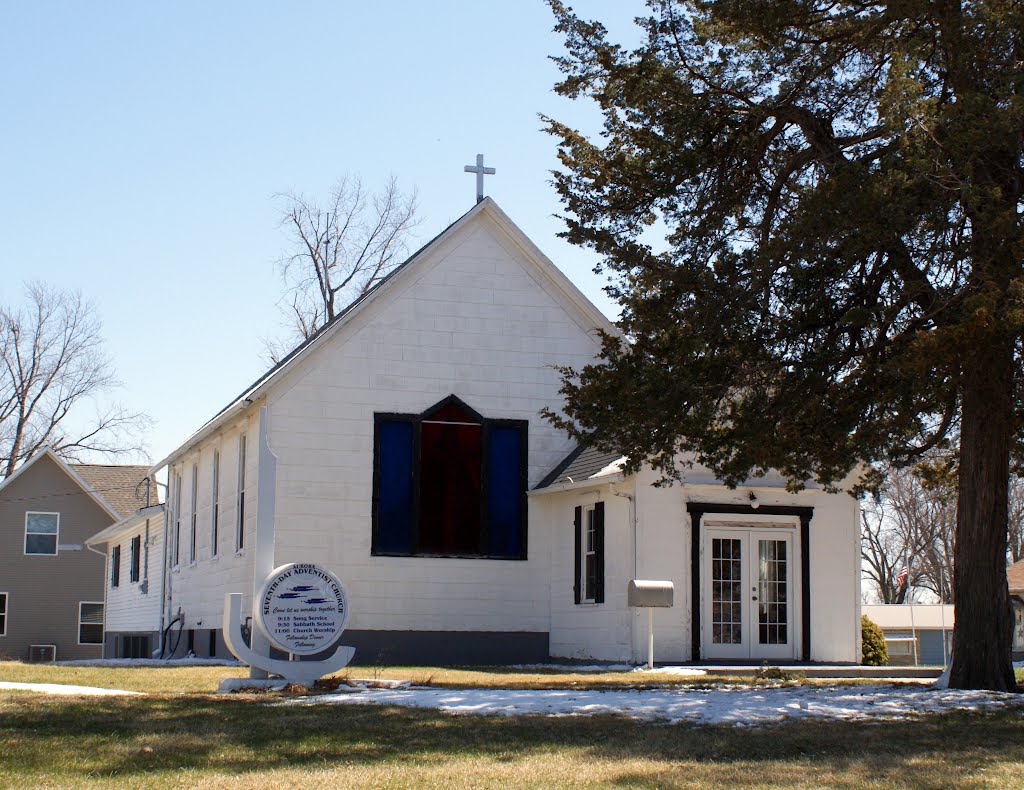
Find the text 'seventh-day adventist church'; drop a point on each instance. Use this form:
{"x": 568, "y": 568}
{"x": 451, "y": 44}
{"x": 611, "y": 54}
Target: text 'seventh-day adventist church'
{"x": 405, "y": 452}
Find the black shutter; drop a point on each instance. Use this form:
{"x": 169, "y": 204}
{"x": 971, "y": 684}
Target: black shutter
{"x": 579, "y": 552}
{"x": 599, "y": 551}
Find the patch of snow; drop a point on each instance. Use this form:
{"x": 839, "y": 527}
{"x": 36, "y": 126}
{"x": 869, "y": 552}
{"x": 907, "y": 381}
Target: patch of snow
{"x": 251, "y": 684}
{"x": 741, "y": 707}
{"x": 58, "y": 688}
{"x": 152, "y": 662}
{"x": 612, "y": 469}
{"x": 381, "y": 683}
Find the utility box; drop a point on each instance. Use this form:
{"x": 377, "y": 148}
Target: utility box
{"x": 647, "y": 593}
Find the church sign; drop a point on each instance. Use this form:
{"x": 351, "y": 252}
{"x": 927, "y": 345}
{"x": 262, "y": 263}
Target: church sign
{"x": 302, "y": 608}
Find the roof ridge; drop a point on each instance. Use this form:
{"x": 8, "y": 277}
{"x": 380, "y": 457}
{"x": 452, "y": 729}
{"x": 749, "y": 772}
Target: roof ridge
{"x": 345, "y": 311}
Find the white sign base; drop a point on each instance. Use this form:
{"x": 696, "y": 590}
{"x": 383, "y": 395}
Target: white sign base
{"x": 297, "y": 671}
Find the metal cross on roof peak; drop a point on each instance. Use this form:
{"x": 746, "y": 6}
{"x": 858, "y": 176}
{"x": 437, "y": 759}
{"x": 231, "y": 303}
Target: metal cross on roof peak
{"x": 480, "y": 171}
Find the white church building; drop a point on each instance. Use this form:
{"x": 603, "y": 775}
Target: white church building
{"x": 402, "y": 448}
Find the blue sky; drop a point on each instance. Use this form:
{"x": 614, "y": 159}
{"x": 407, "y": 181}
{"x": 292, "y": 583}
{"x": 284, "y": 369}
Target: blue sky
{"x": 142, "y": 143}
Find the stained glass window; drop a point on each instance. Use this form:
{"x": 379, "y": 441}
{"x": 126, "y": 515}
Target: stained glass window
{"x": 449, "y": 482}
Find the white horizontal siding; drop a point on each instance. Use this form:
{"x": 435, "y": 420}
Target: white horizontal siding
{"x": 128, "y": 608}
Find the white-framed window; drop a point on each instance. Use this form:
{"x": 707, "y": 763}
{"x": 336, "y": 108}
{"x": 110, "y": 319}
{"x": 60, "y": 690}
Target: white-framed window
{"x": 240, "y": 516}
{"x": 215, "y": 506}
{"x": 589, "y": 583}
{"x": 194, "y": 515}
{"x": 90, "y": 623}
{"x": 115, "y": 566}
{"x": 177, "y": 519}
{"x": 135, "y": 552}
{"x": 41, "y": 533}
{"x": 3, "y": 614}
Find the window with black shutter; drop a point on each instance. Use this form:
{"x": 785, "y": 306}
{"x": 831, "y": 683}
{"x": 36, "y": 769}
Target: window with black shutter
{"x": 115, "y": 566}
{"x": 589, "y": 562}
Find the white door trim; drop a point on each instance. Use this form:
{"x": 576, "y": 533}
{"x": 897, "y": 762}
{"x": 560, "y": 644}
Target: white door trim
{"x": 748, "y": 535}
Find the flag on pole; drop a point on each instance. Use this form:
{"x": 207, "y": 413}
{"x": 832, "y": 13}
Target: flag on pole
{"x": 901, "y": 577}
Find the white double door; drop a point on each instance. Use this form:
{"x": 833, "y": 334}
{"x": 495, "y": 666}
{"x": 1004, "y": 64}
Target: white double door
{"x": 748, "y": 593}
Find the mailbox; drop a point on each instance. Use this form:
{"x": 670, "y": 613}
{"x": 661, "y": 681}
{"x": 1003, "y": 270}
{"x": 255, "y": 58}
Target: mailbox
{"x": 647, "y": 593}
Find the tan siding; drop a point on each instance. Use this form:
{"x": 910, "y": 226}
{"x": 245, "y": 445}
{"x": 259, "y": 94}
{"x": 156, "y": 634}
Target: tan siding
{"x": 44, "y": 591}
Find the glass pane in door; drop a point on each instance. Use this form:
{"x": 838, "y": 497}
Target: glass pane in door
{"x": 772, "y": 593}
{"x": 726, "y": 591}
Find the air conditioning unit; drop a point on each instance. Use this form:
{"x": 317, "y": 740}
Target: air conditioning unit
{"x": 42, "y": 653}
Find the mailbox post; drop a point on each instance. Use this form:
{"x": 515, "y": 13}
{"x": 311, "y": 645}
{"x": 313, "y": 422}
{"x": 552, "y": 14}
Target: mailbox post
{"x": 648, "y": 594}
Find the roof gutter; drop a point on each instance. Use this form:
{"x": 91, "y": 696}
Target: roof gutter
{"x": 573, "y": 485}
{"x": 142, "y": 513}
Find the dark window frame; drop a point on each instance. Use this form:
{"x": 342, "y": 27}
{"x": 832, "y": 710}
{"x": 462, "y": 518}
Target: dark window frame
{"x": 486, "y": 423}
{"x": 115, "y": 566}
{"x": 135, "y": 555}
{"x": 5, "y": 598}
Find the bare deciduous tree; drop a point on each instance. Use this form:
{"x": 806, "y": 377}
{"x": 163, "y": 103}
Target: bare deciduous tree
{"x": 340, "y": 250}
{"x": 915, "y": 519}
{"x": 52, "y": 370}
{"x": 1016, "y": 519}
{"x": 913, "y": 524}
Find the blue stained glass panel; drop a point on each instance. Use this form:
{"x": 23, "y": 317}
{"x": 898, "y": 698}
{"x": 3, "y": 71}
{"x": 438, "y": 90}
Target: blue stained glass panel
{"x": 504, "y": 491}
{"x": 394, "y": 487}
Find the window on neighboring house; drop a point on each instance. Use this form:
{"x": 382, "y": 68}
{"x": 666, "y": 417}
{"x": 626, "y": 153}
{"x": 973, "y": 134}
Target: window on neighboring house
{"x": 240, "y": 516}
{"x": 115, "y": 566}
{"x": 3, "y": 614}
{"x": 135, "y": 552}
{"x": 194, "y": 515}
{"x": 90, "y": 623}
{"x": 41, "y": 531}
{"x": 449, "y": 483}
{"x": 215, "y": 507}
{"x": 177, "y": 519}
{"x": 589, "y": 523}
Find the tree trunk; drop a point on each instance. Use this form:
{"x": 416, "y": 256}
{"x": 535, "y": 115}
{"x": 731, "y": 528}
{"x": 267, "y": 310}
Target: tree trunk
{"x": 983, "y": 628}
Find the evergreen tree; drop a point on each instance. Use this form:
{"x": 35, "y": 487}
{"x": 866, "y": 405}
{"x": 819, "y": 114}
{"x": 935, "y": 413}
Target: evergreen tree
{"x": 812, "y": 215}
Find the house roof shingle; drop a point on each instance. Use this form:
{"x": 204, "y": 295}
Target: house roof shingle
{"x": 118, "y": 486}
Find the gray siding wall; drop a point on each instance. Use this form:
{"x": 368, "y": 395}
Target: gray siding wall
{"x": 44, "y": 591}
{"x": 930, "y": 647}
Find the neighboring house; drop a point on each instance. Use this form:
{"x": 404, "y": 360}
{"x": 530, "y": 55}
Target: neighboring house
{"x": 51, "y": 585}
{"x": 1015, "y": 580}
{"x": 402, "y": 448}
{"x": 133, "y": 582}
{"x": 915, "y": 634}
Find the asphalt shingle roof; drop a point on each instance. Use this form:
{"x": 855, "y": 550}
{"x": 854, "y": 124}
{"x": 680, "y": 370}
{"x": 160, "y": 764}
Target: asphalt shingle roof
{"x": 580, "y": 464}
{"x": 118, "y": 486}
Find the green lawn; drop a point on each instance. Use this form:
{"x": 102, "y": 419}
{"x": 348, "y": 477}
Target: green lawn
{"x": 251, "y": 741}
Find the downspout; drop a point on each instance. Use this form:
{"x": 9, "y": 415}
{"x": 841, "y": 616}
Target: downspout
{"x": 106, "y": 577}
{"x": 633, "y": 529}
{"x": 857, "y": 571}
{"x": 165, "y": 578}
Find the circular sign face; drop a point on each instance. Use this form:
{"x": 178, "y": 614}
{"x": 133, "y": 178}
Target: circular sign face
{"x": 303, "y": 608}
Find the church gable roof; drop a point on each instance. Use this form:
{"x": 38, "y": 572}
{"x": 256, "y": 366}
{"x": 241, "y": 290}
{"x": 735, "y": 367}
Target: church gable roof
{"x": 554, "y": 280}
